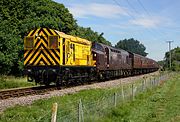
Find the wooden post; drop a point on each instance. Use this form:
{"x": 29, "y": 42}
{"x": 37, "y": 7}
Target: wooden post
{"x": 122, "y": 92}
{"x": 80, "y": 112}
{"x": 142, "y": 85}
{"x": 145, "y": 83}
{"x": 154, "y": 83}
{"x": 132, "y": 91}
{"x": 151, "y": 82}
{"x": 115, "y": 99}
{"x": 159, "y": 80}
{"x": 54, "y": 112}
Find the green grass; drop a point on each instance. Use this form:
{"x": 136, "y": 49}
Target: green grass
{"x": 7, "y": 82}
{"x": 66, "y": 104}
{"x": 160, "y": 105}
{"x": 39, "y": 108}
{"x": 143, "y": 108}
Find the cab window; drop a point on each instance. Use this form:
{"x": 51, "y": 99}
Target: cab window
{"x": 29, "y": 42}
{"x": 53, "y": 42}
{"x": 97, "y": 46}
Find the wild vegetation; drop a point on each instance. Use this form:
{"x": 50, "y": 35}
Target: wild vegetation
{"x": 175, "y": 59}
{"x": 175, "y": 54}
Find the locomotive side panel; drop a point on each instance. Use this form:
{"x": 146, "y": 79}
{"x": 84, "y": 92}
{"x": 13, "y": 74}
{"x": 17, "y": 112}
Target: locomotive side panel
{"x": 137, "y": 63}
{"x": 117, "y": 59}
{"x": 120, "y": 59}
{"x": 76, "y": 51}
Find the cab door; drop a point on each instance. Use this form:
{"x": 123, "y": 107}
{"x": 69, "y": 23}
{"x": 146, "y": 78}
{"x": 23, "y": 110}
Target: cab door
{"x": 64, "y": 51}
{"x": 70, "y": 49}
{"x": 107, "y": 57}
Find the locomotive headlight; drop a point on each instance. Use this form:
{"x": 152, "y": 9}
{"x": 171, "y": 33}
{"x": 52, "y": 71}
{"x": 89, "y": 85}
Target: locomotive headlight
{"x": 29, "y": 70}
{"x": 95, "y": 55}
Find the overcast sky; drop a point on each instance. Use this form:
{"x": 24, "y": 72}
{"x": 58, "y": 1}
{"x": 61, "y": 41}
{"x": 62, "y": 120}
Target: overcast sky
{"x": 152, "y": 22}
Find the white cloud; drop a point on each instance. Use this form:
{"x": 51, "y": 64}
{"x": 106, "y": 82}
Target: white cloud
{"x": 98, "y": 10}
{"x": 147, "y": 22}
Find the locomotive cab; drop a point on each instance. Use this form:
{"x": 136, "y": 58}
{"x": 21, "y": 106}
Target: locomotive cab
{"x": 99, "y": 56}
{"x": 41, "y": 57}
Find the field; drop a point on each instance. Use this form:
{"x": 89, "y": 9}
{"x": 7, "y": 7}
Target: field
{"x": 7, "y": 82}
{"x": 159, "y": 104}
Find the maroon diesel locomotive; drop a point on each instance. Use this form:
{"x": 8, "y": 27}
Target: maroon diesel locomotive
{"x": 112, "y": 62}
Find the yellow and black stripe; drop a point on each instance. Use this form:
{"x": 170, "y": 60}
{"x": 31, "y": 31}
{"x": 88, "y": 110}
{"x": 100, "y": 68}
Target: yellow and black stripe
{"x": 40, "y": 54}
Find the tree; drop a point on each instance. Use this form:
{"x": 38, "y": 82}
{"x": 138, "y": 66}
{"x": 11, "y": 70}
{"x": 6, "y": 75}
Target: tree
{"x": 175, "y": 58}
{"x": 132, "y": 45}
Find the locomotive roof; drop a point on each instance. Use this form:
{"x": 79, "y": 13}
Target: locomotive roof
{"x": 143, "y": 57}
{"x": 51, "y": 32}
{"x": 73, "y": 38}
{"x": 113, "y": 48}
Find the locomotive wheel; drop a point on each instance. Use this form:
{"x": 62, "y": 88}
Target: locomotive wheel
{"x": 48, "y": 77}
{"x": 59, "y": 82}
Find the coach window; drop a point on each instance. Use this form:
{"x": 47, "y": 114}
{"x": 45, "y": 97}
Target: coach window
{"x": 29, "y": 42}
{"x": 98, "y": 47}
{"x": 53, "y": 42}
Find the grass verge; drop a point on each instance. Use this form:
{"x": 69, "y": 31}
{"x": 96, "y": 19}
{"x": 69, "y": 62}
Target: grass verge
{"x": 157, "y": 105}
{"x": 7, "y": 82}
{"x": 141, "y": 109}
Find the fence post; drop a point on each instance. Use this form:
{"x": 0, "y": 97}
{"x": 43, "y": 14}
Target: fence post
{"x": 143, "y": 85}
{"x": 151, "y": 82}
{"x": 54, "y": 112}
{"x": 122, "y": 92}
{"x": 154, "y": 83}
{"x": 132, "y": 91}
{"x": 115, "y": 97}
{"x": 159, "y": 80}
{"x": 160, "y": 76}
{"x": 80, "y": 112}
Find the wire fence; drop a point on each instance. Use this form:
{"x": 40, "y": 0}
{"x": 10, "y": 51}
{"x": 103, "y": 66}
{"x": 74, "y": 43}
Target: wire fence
{"x": 81, "y": 111}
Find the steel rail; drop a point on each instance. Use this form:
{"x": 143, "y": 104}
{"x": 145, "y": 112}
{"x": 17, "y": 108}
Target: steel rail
{"x": 19, "y": 92}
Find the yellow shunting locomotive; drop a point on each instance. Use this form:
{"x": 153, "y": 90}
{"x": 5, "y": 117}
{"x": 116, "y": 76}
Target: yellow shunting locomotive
{"x": 52, "y": 56}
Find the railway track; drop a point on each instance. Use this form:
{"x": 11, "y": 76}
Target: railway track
{"x": 19, "y": 92}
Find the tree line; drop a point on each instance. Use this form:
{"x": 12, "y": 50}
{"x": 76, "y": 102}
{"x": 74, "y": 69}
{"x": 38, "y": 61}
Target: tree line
{"x": 18, "y": 17}
{"x": 175, "y": 59}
